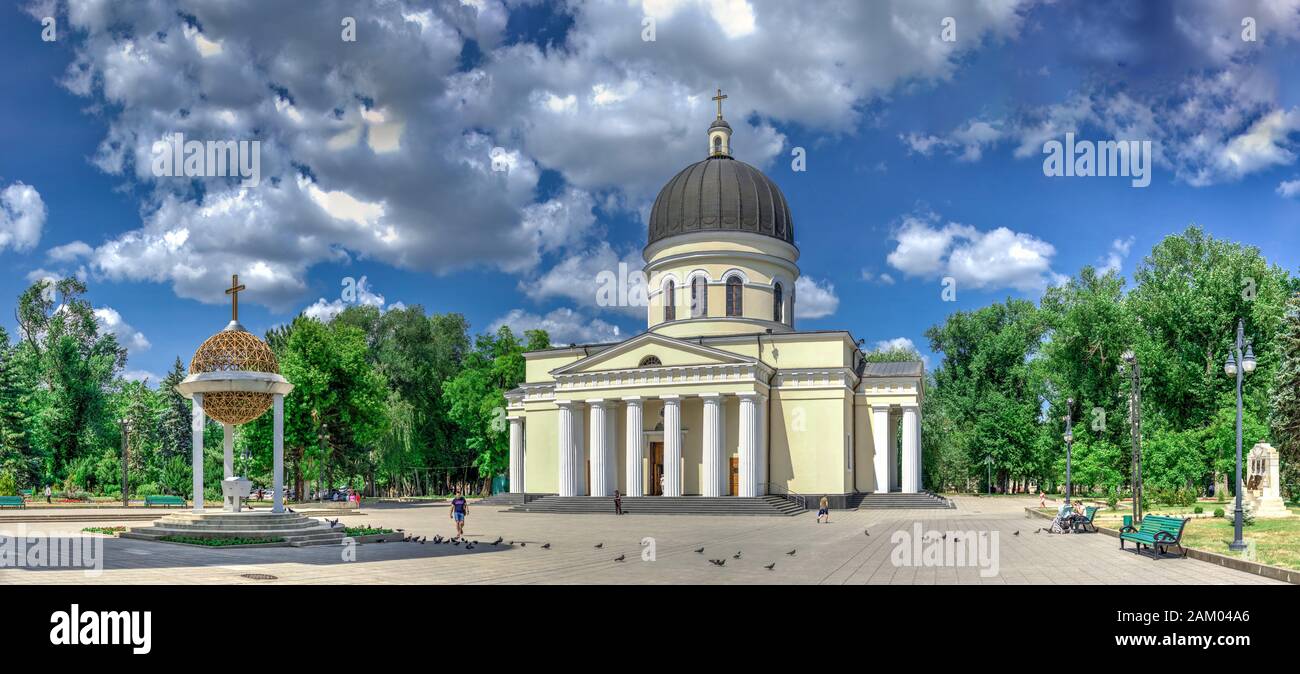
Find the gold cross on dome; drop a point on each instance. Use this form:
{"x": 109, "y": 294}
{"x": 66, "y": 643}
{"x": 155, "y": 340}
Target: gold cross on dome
{"x": 720, "y": 98}
{"x": 233, "y": 291}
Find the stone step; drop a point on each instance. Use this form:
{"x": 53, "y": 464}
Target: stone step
{"x": 663, "y": 505}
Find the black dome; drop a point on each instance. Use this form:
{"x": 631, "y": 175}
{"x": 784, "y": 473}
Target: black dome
{"x": 720, "y": 193}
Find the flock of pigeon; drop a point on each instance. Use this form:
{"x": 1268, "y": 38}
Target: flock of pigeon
{"x": 469, "y": 545}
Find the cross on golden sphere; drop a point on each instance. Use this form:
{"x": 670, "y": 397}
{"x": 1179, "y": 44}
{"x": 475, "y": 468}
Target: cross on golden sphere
{"x": 234, "y": 291}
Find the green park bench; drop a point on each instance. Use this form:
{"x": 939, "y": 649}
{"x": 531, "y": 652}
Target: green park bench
{"x": 1157, "y": 532}
{"x": 164, "y": 501}
{"x": 12, "y": 502}
{"x": 1084, "y": 521}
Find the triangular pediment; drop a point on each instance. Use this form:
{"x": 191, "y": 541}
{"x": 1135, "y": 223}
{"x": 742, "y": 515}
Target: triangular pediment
{"x": 670, "y": 352}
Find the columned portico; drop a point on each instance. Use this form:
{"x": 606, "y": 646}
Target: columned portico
{"x": 672, "y": 445}
{"x": 635, "y": 476}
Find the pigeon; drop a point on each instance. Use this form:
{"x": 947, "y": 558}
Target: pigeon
{"x": 422, "y": 540}
{"x": 333, "y": 523}
{"x": 791, "y": 553}
{"x": 956, "y": 540}
{"x": 600, "y": 545}
{"x": 498, "y": 541}
{"x": 457, "y": 543}
{"x": 736, "y": 556}
{"x": 1039, "y": 531}
{"x": 469, "y": 547}
{"x": 1017, "y": 533}
{"x": 700, "y": 551}
{"x": 769, "y": 567}
{"x": 717, "y": 562}
{"x": 865, "y": 531}
{"x": 522, "y": 545}
{"x": 620, "y": 558}
{"x": 546, "y": 546}
{"x": 944, "y": 537}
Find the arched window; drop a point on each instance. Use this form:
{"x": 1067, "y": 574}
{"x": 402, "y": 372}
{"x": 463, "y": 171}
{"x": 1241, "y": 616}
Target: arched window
{"x": 649, "y": 361}
{"x": 699, "y": 297}
{"x": 670, "y": 301}
{"x": 778, "y": 306}
{"x": 734, "y": 289}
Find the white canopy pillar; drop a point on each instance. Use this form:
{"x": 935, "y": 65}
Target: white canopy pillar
{"x": 911, "y": 449}
{"x": 580, "y": 485}
{"x": 635, "y": 476}
{"x": 880, "y": 445}
{"x": 672, "y": 445}
{"x": 196, "y": 432}
{"x": 566, "y": 449}
{"x": 277, "y": 456}
{"x": 228, "y": 446}
{"x": 516, "y": 454}
{"x": 602, "y": 450}
{"x": 749, "y": 438}
{"x": 713, "y": 473}
{"x": 895, "y": 483}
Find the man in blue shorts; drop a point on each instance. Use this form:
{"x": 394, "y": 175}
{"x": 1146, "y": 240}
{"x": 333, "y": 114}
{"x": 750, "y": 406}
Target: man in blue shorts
{"x": 459, "y": 507}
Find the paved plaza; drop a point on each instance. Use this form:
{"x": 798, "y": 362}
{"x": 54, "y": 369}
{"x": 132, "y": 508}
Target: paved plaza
{"x": 841, "y": 552}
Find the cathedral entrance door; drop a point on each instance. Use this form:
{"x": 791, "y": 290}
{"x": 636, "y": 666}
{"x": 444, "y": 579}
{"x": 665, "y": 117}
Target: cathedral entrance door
{"x": 656, "y": 456}
{"x": 733, "y": 476}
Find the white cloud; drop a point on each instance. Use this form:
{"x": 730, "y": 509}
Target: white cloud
{"x": 22, "y": 217}
{"x": 565, "y": 326}
{"x": 142, "y": 375}
{"x": 997, "y": 258}
{"x": 70, "y": 252}
{"x": 813, "y": 299}
{"x": 577, "y": 278}
{"x": 1114, "y": 260}
{"x": 1289, "y": 188}
{"x": 111, "y": 321}
{"x": 895, "y": 343}
{"x": 883, "y": 278}
{"x": 967, "y": 143}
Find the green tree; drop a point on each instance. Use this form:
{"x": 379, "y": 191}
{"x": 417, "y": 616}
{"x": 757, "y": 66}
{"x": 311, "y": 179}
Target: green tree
{"x": 17, "y": 456}
{"x": 174, "y": 416}
{"x": 1284, "y": 407}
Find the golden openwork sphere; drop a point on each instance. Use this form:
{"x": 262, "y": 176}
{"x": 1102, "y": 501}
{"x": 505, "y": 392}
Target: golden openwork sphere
{"x": 235, "y": 350}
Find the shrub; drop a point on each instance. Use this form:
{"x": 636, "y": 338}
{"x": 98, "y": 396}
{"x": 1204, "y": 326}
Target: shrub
{"x": 1112, "y": 499}
{"x": 1198, "y": 510}
{"x": 148, "y": 489}
{"x": 1218, "y": 512}
{"x": 8, "y": 484}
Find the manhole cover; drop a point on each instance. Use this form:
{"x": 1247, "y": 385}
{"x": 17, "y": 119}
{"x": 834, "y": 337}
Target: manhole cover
{"x": 257, "y": 576}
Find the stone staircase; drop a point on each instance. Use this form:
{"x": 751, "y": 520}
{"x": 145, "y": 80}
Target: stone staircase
{"x": 662, "y": 505}
{"x": 508, "y": 499}
{"x": 295, "y": 529}
{"x": 898, "y": 501}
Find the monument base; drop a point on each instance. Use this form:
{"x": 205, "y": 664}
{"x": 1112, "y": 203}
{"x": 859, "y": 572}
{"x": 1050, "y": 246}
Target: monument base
{"x": 1270, "y": 507}
{"x": 293, "y": 529}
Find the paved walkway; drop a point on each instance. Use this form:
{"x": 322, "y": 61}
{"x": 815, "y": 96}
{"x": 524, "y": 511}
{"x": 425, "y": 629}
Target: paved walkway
{"x": 841, "y": 552}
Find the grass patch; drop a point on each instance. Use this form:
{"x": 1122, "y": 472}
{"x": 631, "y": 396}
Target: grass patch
{"x": 219, "y": 542}
{"x": 365, "y": 531}
{"x": 107, "y": 531}
{"x": 1277, "y": 542}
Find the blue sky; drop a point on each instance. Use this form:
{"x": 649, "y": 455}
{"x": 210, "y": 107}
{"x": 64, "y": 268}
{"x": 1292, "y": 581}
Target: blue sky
{"x": 924, "y": 157}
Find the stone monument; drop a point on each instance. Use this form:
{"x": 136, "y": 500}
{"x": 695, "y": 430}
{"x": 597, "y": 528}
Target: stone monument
{"x": 1263, "y": 483}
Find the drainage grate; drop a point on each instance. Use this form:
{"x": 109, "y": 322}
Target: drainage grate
{"x": 257, "y": 576}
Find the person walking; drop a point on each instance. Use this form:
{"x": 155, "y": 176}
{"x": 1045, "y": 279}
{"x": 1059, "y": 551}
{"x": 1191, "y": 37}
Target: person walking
{"x": 824, "y": 510}
{"x": 1042, "y": 499}
{"x": 47, "y": 493}
{"x": 618, "y": 503}
{"x": 459, "y": 508}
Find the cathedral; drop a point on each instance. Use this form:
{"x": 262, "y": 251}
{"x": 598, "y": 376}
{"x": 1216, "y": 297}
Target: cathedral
{"x": 721, "y": 396}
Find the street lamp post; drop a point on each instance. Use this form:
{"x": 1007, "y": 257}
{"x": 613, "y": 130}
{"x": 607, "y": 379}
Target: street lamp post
{"x": 1069, "y": 443}
{"x": 988, "y": 461}
{"x": 125, "y": 423}
{"x": 1247, "y": 361}
{"x": 1135, "y": 424}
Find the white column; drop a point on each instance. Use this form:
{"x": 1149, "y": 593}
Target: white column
{"x": 196, "y": 430}
{"x": 672, "y": 446}
{"x": 748, "y": 444}
{"x": 761, "y": 458}
{"x": 565, "y": 448}
{"x": 635, "y": 477}
{"x": 516, "y": 455}
{"x": 911, "y": 453}
{"x": 602, "y": 454}
{"x": 580, "y": 485}
{"x": 880, "y": 445}
{"x": 228, "y": 444}
{"x": 277, "y": 455}
{"x": 894, "y": 481}
{"x": 713, "y": 472}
